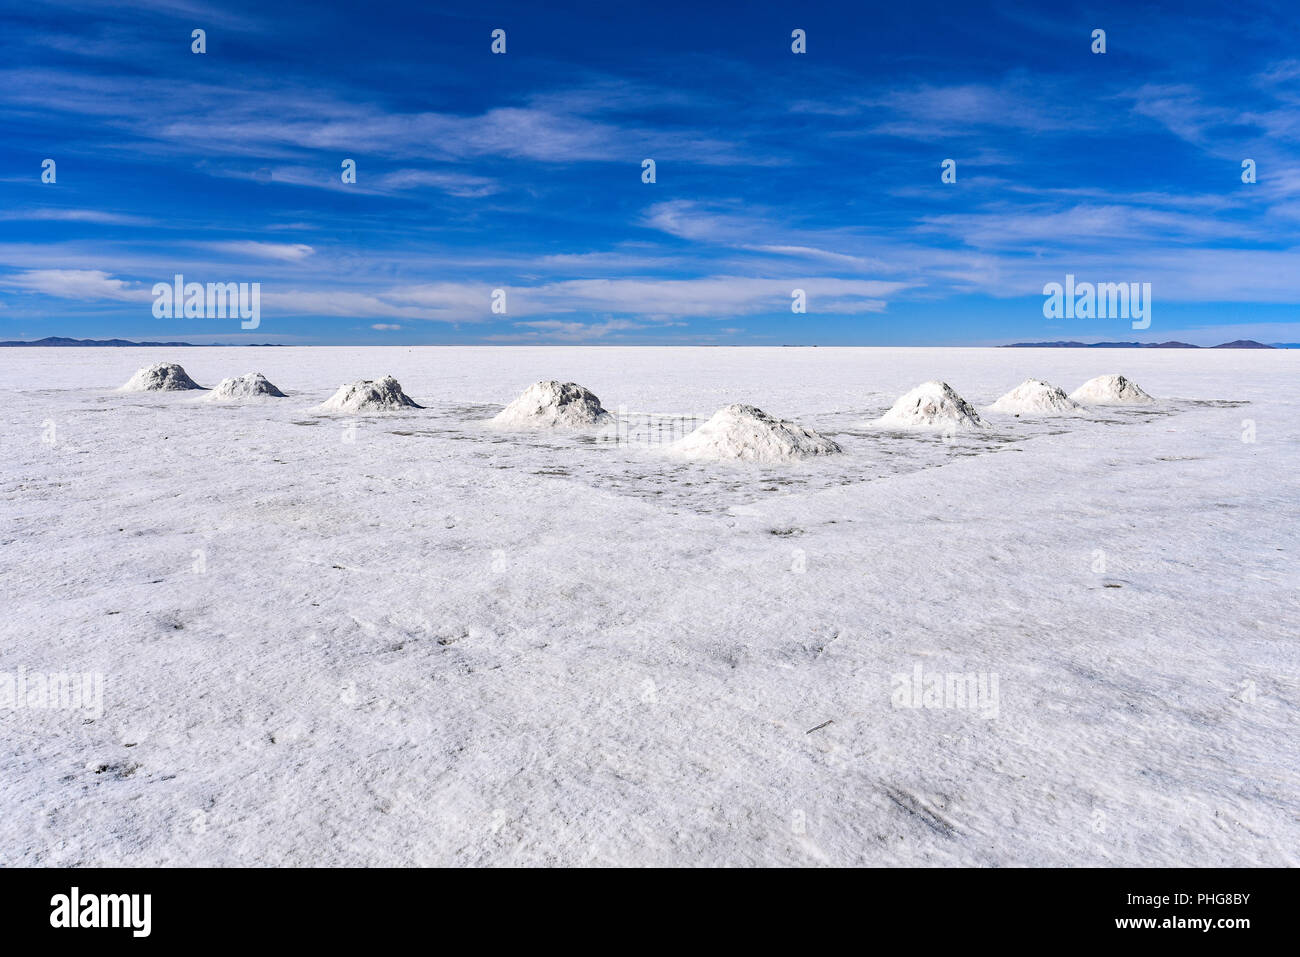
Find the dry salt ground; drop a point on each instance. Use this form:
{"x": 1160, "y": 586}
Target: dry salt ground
{"x": 408, "y": 639}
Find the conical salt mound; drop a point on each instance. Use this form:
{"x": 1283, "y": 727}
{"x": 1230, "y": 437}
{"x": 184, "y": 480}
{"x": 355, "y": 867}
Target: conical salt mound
{"x": 1110, "y": 390}
{"x": 365, "y": 395}
{"x": 551, "y": 404}
{"x": 162, "y": 377}
{"x": 932, "y": 405}
{"x": 748, "y": 434}
{"x": 248, "y": 386}
{"x": 1035, "y": 397}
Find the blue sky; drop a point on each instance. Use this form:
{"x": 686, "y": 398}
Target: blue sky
{"x": 775, "y": 170}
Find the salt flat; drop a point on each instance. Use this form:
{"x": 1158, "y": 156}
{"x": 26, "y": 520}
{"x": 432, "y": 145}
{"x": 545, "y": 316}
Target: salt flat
{"x": 412, "y": 639}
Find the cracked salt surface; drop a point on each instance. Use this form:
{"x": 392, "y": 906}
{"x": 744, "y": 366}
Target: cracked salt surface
{"x": 417, "y": 640}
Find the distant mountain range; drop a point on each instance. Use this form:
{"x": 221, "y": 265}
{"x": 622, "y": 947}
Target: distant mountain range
{"x": 57, "y": 341}
{"x": 49, "y": 341}
{"x": 1235, "y": 344}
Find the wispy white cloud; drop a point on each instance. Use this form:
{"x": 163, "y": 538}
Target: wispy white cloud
{"x": 228, "y": 119}
{"x": 188, "y": 11}
{"x": 99, "y": 217}
{"x": 940, "y": 112}
{"x": 256, "y": 249}
{"x": 1083, "y": 225}
{"x": 812, "y": 252}
{"x": 712, "y": 297}
{"x": 89, "y": 285}
{"x": 457, "y": 184}
{"x": 560, "y": 330}
{"x": 369, "y": 183}
{"x": 300, "y": 302}
{"x": 752, "y": 231}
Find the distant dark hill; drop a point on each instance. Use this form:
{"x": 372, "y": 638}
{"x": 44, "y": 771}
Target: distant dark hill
{"x": 1237, "y": 344}
{"x": 64, "y": 341}
{"x": 56, "y": 341}
{"x": 1060, "y": 344}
